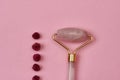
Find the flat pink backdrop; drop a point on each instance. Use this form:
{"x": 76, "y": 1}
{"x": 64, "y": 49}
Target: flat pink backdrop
{"x": 20, "y": 18}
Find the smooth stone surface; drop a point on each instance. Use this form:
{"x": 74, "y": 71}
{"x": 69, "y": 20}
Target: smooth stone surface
{"x": 72, "y": 34}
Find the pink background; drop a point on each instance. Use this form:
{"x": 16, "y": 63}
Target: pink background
{"x": 20, "y": 18}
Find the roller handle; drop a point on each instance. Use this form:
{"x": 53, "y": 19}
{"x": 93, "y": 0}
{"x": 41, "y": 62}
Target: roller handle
{"x": 71, "y": 66}
{"x": 71, "y": 73}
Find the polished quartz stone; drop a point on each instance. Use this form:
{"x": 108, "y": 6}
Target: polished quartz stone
{"x": 72, "y": 34}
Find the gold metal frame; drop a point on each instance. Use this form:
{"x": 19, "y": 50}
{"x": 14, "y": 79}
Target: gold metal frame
{"x": 71, "y": 58}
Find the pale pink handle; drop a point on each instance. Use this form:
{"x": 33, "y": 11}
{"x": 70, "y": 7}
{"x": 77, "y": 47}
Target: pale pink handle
{"x": 71, "y": 71}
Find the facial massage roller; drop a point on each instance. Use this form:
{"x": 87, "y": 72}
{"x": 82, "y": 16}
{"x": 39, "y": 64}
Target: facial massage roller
{"x": 72, "y": 35}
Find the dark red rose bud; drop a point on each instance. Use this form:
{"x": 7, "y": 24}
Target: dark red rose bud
{"x": 36, "y": 35}
{"x": 36, "y": 46}
{"x": 36, "y": 77}
{"x": 36, "y": 67}
{"x": 36, "y": 57}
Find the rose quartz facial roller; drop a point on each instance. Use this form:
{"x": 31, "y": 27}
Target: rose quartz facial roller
{"x": 72, "y": 35}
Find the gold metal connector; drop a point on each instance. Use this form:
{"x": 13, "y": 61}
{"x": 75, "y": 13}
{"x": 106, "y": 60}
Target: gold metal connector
{"x": 71, "y": 57}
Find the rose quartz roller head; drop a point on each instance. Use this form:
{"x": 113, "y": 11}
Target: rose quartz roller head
{"x": 72, "y": 35}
